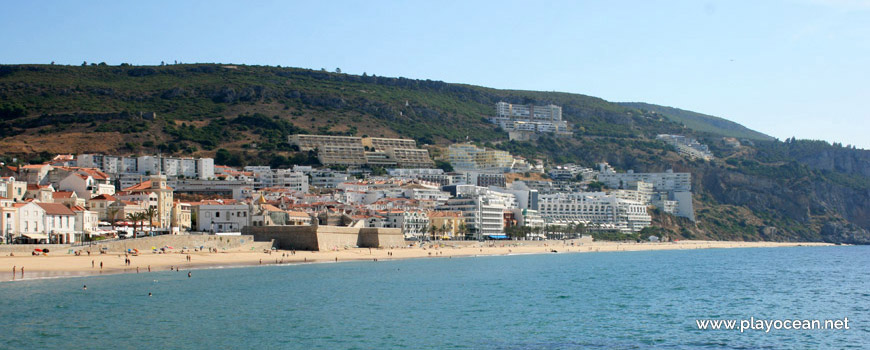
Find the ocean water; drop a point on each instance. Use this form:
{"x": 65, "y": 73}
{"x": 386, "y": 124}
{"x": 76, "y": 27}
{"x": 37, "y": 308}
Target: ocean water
{"x": 622, "y": 300}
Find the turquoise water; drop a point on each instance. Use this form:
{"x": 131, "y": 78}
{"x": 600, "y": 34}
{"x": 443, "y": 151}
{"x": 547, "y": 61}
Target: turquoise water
{"x": 631, "y": 300}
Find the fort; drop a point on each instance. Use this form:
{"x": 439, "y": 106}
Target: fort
{"x": 324, "y": 238}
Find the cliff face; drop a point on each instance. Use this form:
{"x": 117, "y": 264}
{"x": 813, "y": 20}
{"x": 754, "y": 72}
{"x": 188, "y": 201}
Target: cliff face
{"x": 789, "y": 208}
{"x": 846, "y": 161}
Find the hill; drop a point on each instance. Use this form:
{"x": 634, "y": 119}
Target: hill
{"x": 702, "y": 122}
{"x": 764, "y": 190}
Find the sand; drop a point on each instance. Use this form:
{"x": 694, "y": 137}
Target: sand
{"x": 54, "y": 266}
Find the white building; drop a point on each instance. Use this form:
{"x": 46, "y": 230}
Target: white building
{"x": 59, "y": 222}
{"x": 87, "y": 221}
{"x": 596, "y": 210}
{"x": 218, "y": 216}
{"x": 414, "y": 224}
{"x": 482, "y": 209}
{"x": 84, "y": 186}
{"x": 12, "y": 189}
{"x": 286, "y": 178}
{"x": 197, "y": 168}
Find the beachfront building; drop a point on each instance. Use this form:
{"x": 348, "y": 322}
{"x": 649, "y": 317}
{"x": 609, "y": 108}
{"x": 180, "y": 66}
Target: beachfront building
{"x": 669, "y": 185}
{"x": 156, "y": 187}
{"x": 59, "y": 223}
{"x": 86, "y": 221}
{"x": 528, "y": 217}
{"x": 414, "y": 223}
{"x": 482, "y": 209}
{"x": 8, "y": 219}
{"x": 31, "y": 223}
{"x": 181, "y": 216}
{"x": 597, "y": 210}
{"x": 220, "y": 216}
{"x": 447, "y": 224}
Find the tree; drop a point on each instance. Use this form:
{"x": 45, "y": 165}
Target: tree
{"x": 113, "y": 213}
{"x": 136, "y": 218}
{"x": 446, "y": 166}
{"x": 338, "y": 70}
{"x": 150, "y": 213}
{"x": 432, "y": 231}
{"x": 463, "y": 229}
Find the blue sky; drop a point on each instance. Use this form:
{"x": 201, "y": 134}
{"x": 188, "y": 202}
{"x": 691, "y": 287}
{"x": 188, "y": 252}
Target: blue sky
{"x": 785, "y": 68}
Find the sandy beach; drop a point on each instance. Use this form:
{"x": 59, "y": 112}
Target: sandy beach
{"x": 53, "y": 266}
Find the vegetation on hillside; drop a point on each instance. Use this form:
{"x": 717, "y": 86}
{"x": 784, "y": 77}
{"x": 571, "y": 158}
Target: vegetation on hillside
{"x": 766, "y": 189}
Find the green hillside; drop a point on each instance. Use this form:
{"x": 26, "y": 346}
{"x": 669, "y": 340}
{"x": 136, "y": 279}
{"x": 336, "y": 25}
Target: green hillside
{"x": 701, "y": 122}
{"x": 771, "y": 190}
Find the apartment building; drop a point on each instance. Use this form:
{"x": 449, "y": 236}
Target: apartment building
{"x": 468, "y": 157}
{"x": 197, "y": 168}
{"x": 312, "y": 142}
{"x": 597, "y": 210}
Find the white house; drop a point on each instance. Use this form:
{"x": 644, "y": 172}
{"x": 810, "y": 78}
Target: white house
{"x": 219, "y": 216}
{"x": 60, "y": 222}
{"x": 87, "y": 221}
{"x": 84, "y": 186}
{"x": 31, "y": 221}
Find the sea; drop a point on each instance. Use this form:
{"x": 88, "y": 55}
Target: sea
{"x": 613, "y": 300}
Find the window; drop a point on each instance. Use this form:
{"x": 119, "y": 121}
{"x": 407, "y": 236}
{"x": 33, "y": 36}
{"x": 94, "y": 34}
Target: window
{"x": 217, "y": 214}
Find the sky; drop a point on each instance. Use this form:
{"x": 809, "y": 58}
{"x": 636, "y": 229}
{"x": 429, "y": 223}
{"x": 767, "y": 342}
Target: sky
{"x": 785, "y": 68}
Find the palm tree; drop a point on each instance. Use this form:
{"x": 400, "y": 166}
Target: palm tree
{"x": 463, "y": 229}
{"x": 149, "y": 214}
{"x": 113, "y": 212}
{"x": 136, "y": 218}
{"x": 432, "y": 231}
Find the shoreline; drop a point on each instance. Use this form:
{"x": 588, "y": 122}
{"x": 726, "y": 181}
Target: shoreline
{"x": 70, "y": 266}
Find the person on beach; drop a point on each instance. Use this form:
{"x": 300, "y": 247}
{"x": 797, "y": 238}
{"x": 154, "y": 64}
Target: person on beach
{"x": 22, "y": 271}
{"x": 149, "y": 268}
{"x": 13, "y": 270}
{"x": 101, "y": 265}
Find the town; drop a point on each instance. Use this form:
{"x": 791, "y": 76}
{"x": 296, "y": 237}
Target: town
{"x": 363, "y": 182}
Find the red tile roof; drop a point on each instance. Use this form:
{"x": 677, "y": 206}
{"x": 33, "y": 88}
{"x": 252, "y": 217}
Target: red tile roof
{"x": 95, "y": 173}
{"x": 55, "y": 209}
{"x": 62, "y": 194}
{"x": 104, "y": 197}
{"x": 34, "y": 166}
